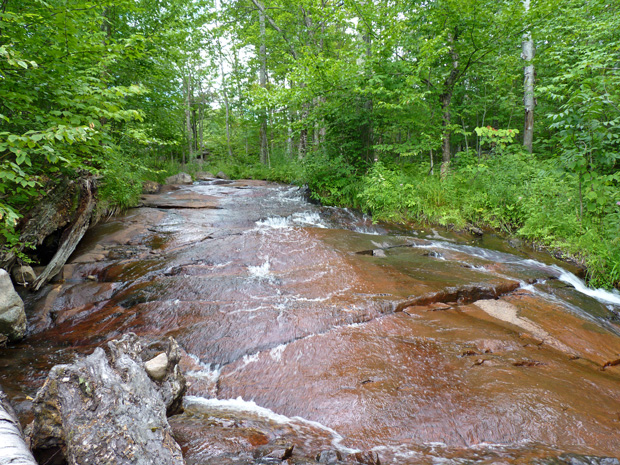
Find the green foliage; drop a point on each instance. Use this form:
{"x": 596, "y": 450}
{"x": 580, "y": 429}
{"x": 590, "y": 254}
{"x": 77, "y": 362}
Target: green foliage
{"x": 331, "y": 180}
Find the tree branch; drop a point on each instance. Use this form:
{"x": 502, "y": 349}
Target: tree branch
{"x": 273, "y": 24}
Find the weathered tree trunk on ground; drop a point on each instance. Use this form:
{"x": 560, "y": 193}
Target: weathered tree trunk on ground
{"x": 13, "y": 448}
{"x": 72, "y": 235}
{"x": 52, "y": 213}
{"x": 528, "y": 85}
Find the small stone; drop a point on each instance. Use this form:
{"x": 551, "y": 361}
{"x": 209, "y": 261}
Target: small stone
{"x": 222, "y": 175}
{"x": 23, "y": 275}
{"x": 378, "y": 253}
{"x": 91, "y": 277}
{"x": 157, "y": 367}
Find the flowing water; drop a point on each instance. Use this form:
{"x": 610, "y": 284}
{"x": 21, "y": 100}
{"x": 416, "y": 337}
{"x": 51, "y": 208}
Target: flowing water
{"x": 310, "y": 326}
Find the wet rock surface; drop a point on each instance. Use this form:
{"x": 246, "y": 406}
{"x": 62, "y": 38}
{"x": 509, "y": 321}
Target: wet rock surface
{"x": 427, "y": 347}
{"x": 103, "y": 408}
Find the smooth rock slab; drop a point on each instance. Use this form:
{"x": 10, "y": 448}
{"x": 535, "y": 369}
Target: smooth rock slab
{"x": 104, "y": 409}
{"x": 12, "y": 315}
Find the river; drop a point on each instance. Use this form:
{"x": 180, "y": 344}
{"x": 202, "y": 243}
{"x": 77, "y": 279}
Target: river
{"x": 309, "y": 326}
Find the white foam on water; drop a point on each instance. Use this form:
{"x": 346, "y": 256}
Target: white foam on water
{"x": 602, "y": 295}
{"x": 210, "y": 372}
{"x": 308, "y": 218}
{"x": 260, "y": 271}
{"x": 243, "y": 406}
{"x": 371, "y": 231}
{"x": 274, "y": 222}
{"x": 247, "y": 359}
{"x": 276, "y": 352}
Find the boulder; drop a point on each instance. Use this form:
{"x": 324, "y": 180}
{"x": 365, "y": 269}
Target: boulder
{"x": 222, "y": 175}
{"x": 13, "y": 448}
{"x": 151, "y": 187}
{"x": 12, "y": 315}
{"x": 181, "y": 178}
{"x": 23, "y": 275}
{"x": 104, "y": 408}
{"x": 204, "y": 176}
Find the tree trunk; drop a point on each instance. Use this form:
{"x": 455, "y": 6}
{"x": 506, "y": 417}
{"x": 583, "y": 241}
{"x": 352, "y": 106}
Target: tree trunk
{"x": 201, "y": 117}
{"x": 445, "y": 143}
{"x": 13, "y": 448}
{"x": 446, "y": 98}
{"x": 528, "y": 85}
{"x": 227, "y": 109}
{"x": 290, "y": 141}
{"x": 264, "y": 149}
{"x": 188, "y": 117}
{"x": 366, "y": 130}
{"x": 303, "y": 133}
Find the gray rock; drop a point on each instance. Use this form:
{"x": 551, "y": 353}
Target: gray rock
{"x": 23, "y": 274}
{"x": 204, "y": 176}
{"x": 151, "y": 187}
{"x": 105, "y": 409}
{"x": 329, "y": 457}
{"x": 222, "y": 175}
{"x": 181, "y": 178}
{"x": 12, "y": 315}
{"x": 157, "y": 367}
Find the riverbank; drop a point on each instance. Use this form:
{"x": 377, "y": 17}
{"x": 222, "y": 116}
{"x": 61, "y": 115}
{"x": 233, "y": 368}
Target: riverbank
{"x": 516, "y": 196}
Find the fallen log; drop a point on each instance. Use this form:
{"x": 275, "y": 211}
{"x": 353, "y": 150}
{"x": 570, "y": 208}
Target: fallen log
{"x": 53, "y": 212}
{"x": 13, "y": 448}
{"x": 72, "y": 236}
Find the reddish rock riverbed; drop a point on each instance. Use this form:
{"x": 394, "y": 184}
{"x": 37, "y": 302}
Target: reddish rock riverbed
{"x": 310, "y": 326}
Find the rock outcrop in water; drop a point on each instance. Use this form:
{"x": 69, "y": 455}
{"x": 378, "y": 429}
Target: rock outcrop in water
{"x": 104, "y": 409}
{"x": 12, "y": 315}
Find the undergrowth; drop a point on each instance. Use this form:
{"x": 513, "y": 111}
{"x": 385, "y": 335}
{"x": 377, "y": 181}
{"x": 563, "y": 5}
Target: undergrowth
{"x": 512, "y": 193}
